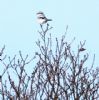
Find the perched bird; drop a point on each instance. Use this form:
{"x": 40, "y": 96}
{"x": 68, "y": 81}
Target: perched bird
{"x": 41, "y": 18}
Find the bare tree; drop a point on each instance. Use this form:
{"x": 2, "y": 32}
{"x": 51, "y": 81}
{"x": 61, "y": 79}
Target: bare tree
{"x": 59, "y": 74}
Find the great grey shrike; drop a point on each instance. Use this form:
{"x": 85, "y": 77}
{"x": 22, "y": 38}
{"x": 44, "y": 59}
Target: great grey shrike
{"x": 41, "y": 18}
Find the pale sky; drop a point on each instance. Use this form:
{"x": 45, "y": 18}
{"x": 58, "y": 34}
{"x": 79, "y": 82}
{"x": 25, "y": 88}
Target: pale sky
{"x": 18, "y": 25}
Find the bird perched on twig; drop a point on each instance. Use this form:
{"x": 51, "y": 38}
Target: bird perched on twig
{"x": 41, "y": 18}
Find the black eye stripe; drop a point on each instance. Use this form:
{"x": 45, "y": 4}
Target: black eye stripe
{"x": 42, "y": 17}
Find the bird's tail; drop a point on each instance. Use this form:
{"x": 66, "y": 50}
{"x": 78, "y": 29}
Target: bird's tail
{"x": 49, "y": 19}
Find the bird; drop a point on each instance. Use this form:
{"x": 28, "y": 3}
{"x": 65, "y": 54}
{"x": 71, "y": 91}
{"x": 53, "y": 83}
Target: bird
{"x": 41, "y": 18}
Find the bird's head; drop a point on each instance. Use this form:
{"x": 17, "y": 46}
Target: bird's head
{"x": 40, "y": 12}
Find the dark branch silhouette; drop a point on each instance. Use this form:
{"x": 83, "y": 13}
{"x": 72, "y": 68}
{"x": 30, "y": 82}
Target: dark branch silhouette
{"x": 58, "y": 74}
